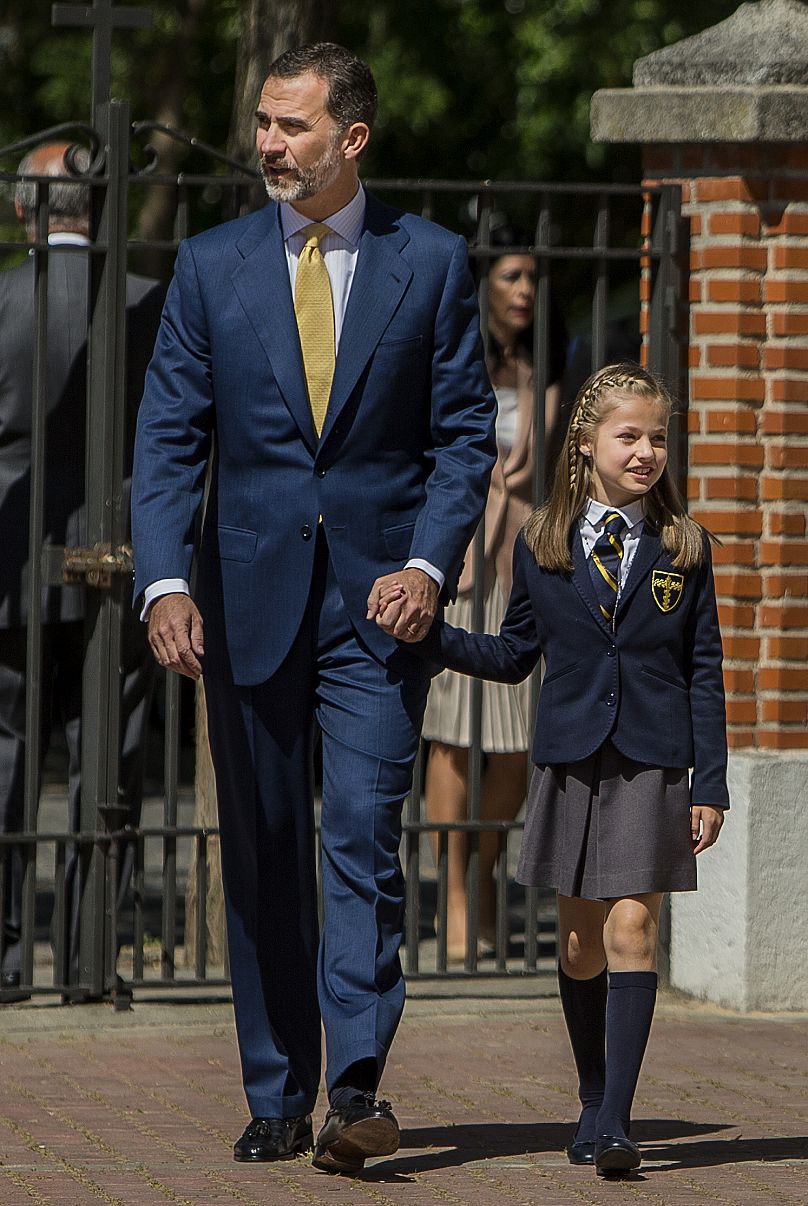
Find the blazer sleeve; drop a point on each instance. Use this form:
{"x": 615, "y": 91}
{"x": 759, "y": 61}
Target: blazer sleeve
{"x": 706, "y": 684}
{"x": 173, "y": 438}
{"x": 463, "y": 409}
{"x": 506, "y": 658}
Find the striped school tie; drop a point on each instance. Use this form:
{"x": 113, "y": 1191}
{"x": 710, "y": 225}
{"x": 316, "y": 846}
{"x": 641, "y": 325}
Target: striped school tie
{"x": 604, "y": 563}
{"x": 314, "y": 310}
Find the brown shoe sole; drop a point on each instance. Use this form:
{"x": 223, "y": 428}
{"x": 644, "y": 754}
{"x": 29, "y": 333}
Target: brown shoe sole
{"x": 369, "y": 1137}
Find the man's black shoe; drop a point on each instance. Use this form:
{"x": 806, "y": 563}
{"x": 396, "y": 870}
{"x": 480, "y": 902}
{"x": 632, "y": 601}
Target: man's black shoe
{"x": 581, "y": 1152}
{"x": 10, "y": 991}
{"x": 614, "y": 1154}
{"x": 274, "y": 1139}
{"x": 364, "y": 1127}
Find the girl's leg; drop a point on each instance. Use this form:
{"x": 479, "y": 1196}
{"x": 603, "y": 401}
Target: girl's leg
{"x": 582, "y": 986}
{"x": 502, "y": 793}
{"x": 445, "y": 793}
{"x": 630, "y": 940}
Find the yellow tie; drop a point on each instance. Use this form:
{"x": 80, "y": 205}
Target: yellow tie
{"x": 314, "y": 308}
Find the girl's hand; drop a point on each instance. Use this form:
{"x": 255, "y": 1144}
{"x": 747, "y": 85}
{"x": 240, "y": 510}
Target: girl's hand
{"x": 388, "y": 594}
{"x": 705, "y": 826}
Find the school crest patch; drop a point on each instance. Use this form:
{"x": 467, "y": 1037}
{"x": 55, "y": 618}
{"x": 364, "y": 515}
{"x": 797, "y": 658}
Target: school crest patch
{"x": 667, "y": 589}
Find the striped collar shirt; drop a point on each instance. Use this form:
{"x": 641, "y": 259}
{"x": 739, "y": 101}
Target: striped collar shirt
{"x": 593, "y": 520}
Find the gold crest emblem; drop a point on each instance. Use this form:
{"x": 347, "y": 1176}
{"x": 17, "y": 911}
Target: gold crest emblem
{"x": 667, "y": 589}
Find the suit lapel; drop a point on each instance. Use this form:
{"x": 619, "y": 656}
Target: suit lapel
{"x": 380, "y": 282}
{"x": 262, "y": 284}
{"x": 648, "y": 552}
{"x": 582, "y": 579}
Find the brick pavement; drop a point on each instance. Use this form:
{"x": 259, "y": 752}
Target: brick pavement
{"x": 142, "y": 1109}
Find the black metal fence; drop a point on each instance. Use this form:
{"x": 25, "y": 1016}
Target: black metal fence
{"x": 102, "y": 889}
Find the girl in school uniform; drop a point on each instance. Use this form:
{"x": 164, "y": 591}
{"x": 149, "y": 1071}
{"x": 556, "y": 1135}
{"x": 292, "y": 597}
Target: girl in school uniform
{"x": 613, "y": 586}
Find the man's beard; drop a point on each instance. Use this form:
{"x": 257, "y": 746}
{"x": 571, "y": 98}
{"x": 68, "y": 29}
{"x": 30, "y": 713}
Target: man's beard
{"x": 301, "y": 183}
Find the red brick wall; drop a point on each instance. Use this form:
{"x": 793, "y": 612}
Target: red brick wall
{"x": 748, "y": 417}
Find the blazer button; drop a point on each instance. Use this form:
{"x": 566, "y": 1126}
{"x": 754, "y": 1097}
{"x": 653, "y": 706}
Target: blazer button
{"x": 305, "y": 532}
{"x": 320, "y": 472}
{"x": 610, "y": 700}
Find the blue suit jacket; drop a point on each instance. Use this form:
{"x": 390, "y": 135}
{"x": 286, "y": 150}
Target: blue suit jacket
{"x": 403, "y": 462}
{"x": 653, "y": 685}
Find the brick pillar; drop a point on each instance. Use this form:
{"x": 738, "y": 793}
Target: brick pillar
{"x": 748, "y": 417}
{"x": 725, "y": 114}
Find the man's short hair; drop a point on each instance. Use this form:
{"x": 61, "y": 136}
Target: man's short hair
{"x": 68, "y": 200}
{"x": 352, "y": 94}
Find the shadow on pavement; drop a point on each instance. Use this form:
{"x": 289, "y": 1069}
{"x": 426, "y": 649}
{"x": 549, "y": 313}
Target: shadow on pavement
{"x": 727, "y": 1151}
{"x": 465, "y": 1144}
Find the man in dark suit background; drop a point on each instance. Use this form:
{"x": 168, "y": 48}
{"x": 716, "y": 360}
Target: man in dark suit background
{"x": 62, "y": 608}
{"x": 331, "y": 345}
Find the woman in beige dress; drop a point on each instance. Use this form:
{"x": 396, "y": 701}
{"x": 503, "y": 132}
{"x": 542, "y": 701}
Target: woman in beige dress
{"x": 512, "y": 282}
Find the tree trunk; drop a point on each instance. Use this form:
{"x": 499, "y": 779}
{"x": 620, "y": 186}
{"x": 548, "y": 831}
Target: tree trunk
{"x": 205, "y": 816}
{"x": 267, "y": 29}
{"x": 156, "y": 218}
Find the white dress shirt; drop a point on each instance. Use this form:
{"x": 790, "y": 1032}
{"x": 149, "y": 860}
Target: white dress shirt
{"x": 340, "y": 249}
{"x": 591, "y": 525}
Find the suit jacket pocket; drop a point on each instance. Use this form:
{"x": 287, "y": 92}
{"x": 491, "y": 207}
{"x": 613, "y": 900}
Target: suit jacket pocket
{"x": 237, "y": 544}
{"x": 398, "y": 539}
{"x": 664, "y": 678}
{"x": 551, "y": 678}
{"x": 409, "y": 344}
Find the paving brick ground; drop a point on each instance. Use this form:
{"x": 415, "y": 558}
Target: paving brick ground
{"x": 142, "y": 1110}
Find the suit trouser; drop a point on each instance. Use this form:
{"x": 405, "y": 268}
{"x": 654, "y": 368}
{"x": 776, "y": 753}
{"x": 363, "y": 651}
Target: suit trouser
{"x": 61, "y": 678}
{"x": 284, "y": 982}
{"x": 62, "y": 654}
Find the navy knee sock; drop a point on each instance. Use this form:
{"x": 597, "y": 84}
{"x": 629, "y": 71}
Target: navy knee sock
{"x": 629, "y": 1013}
{"x": 584, "y": 1005}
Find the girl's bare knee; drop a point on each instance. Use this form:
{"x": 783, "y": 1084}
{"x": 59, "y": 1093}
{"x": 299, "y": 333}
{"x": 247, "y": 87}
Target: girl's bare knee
{"x": 630, "y": 937}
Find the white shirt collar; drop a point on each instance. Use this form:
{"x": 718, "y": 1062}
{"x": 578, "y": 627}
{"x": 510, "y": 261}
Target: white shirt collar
{"x": 347, "y": 222}
{"x": 68, "y": 238}
{"x": 633, "y": 512}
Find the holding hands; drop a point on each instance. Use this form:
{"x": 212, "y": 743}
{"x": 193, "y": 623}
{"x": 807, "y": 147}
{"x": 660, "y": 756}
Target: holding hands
{"x": 404, "y": 604}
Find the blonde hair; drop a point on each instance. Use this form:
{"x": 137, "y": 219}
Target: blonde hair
{"x": 547, "y": 531}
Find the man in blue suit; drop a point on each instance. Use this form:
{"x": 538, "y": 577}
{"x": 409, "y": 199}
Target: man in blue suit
{"x": 348, "y": 421}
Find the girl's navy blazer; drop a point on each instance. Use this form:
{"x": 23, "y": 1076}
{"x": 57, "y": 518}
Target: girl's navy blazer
{"x": 653, "y": 685}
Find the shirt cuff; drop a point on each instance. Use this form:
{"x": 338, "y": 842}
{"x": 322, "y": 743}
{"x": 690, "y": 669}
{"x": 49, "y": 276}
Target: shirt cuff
{"x": 428, "y": 568}
{"x": 165, "y": 586}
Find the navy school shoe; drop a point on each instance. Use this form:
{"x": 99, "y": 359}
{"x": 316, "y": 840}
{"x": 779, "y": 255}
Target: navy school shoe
{"x": 363, "y": 1127}
{"x": 581, "y": 1151}
{"x": 614, "y": 1154}
{"x": 274, "y": 1139}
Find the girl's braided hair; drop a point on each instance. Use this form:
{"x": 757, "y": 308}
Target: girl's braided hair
{"x": 549, "y": 528}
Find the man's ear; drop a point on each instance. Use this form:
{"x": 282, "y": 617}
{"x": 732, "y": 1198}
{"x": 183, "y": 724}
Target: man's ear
{"x": 355, "y": 139}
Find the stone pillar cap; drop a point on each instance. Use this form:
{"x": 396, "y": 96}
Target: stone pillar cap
{"x": 743, "y": 80}
{"x": 762, "y": 43}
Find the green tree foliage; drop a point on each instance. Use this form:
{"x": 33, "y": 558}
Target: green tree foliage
{"x": 501, "y": 88}
{"x": 470, "y": 88}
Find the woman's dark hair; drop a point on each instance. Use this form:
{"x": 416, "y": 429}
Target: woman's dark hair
{"x": 352, "y": 94}
{"x": 504, "y": 236}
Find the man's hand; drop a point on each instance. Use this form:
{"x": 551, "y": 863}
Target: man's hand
{"x": 705, "y": 826}
{"x": 175, "y": 634}
{"x": 404, "y": 604}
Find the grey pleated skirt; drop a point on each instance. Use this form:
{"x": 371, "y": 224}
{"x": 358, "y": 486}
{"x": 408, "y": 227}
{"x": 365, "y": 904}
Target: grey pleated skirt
{"x": 506, "y": 709}
{"x": 607, "y": 827}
